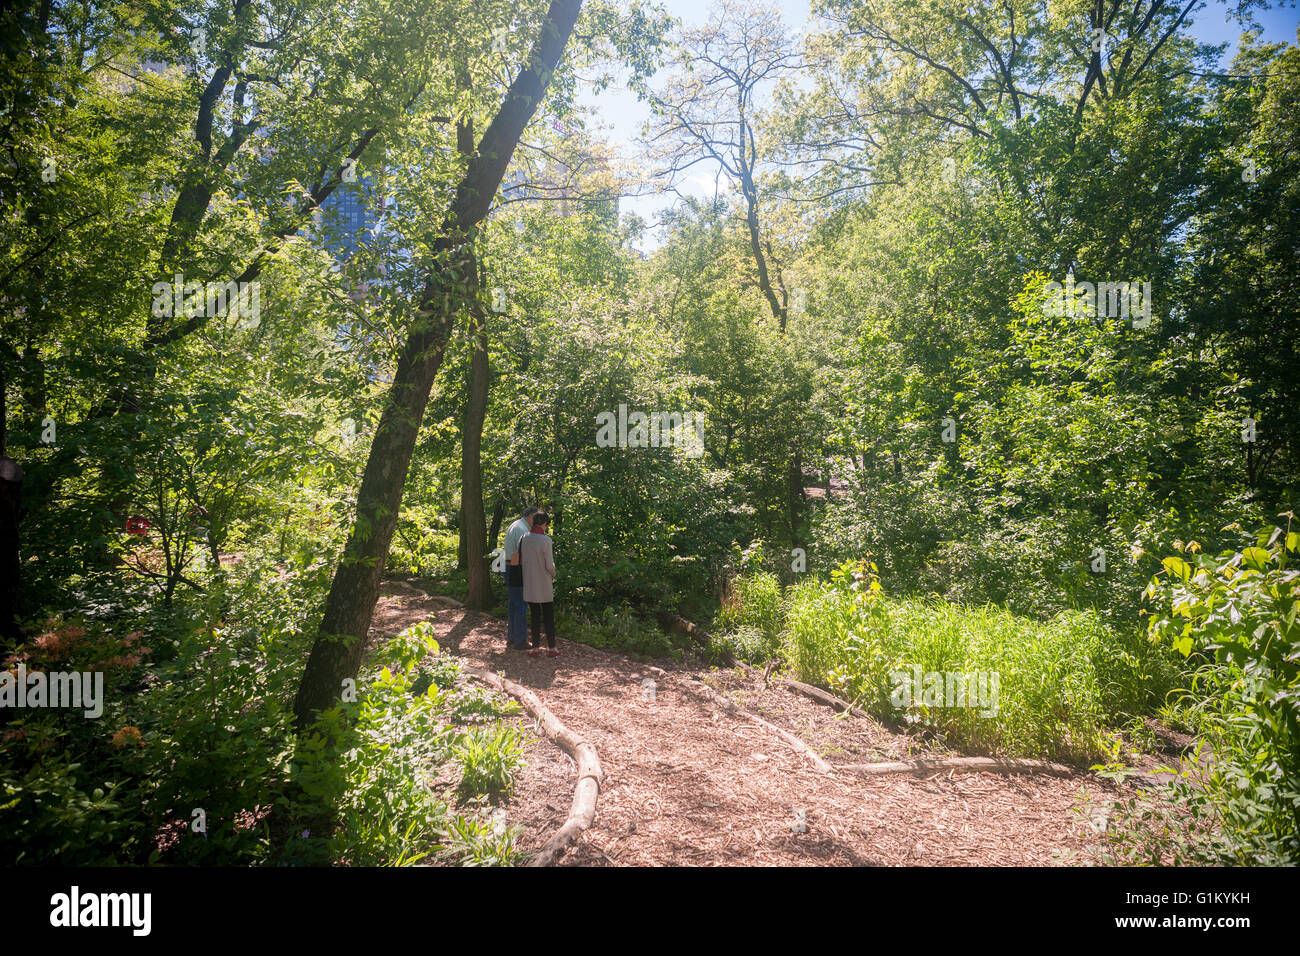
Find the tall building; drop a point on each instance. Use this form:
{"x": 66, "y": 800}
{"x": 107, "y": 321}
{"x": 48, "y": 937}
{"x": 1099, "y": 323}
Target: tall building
{"x": 349, "y": 215}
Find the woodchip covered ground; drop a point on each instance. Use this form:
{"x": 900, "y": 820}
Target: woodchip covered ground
{"x": 687, "y": 784}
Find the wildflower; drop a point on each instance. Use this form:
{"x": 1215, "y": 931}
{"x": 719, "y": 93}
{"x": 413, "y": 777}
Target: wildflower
{"x": 127, "y": 735}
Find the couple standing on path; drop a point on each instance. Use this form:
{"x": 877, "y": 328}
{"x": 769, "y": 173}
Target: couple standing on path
{"x": 530, "y": 576}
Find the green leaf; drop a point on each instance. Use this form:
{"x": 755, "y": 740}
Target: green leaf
{"x": 1256, "y": 558}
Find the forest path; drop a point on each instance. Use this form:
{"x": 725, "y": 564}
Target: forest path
{"x": 687, "y": 784}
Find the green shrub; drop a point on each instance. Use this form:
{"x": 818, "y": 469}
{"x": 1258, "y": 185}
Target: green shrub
{"x": 421, "y": 546}
{"x": 202, "y": 723}
{"x": 755, "y": 601}
{"x": 50, "y": 813}
{"x": 623, "y": 630}
{"x": 489, "y": 760}
{"x": 478, "y": 842}
{"x": 1235, "y": 615}
{"x": 373, "y": 766}
{"x": 749, "y": 644}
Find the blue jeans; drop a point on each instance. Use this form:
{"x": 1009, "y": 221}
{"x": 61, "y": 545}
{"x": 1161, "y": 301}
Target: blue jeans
{"x": 516, "y": 611}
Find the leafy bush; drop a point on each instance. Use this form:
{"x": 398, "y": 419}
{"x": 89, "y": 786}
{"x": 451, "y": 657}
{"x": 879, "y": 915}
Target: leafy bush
{"x": 373, "y": 767}
{"x": 620, "y": 629}
{"x": 1236, "y": 614}
{"x": 749, "y": 644}
{"x": 755, "y": 601}
{"x": 195, "y": 760}
{"x": 52, "y": 814}
{"x": 421, "y": 547}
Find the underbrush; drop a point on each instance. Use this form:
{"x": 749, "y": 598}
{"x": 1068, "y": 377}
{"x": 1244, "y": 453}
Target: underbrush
{"x": 194, "y": 759}
{"x": 750, "y": 620}
{"x": 623, "y": 630}
{"x": 384, "y": 765}
{"x": 1234, "y": 617}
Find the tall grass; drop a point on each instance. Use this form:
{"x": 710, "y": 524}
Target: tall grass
{"x": 1062, "y": 683}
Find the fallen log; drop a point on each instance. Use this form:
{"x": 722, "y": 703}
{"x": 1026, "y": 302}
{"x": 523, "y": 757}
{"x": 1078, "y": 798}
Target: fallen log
{"x": 582, "y": 812}
{"x": 711, "y": 695}
{"x": 674, "y": 623}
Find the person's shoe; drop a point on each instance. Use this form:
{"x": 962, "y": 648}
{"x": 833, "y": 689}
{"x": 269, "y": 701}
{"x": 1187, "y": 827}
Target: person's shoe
{"x": 553, "y": 652}
{"x": 534, "y": 652}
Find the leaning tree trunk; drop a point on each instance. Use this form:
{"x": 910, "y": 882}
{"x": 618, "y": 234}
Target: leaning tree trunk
{"x": 336, "y": 653}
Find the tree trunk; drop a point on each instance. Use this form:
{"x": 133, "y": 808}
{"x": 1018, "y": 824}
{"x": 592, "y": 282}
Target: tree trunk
{"x": 11, "y": 497}
{"x": 336, "y": 654}
{"x": 34, "y": 391}
{"x": 750, "y": 192}
{"x": 779, "y": 307}
{"x": 494, "y": 532}
{"x": 794, "y": 498}
{"x": 1250, "y": 459}
{"x": 473, "y": 524}
{"x": 4, "y": 402}
{"x": 11, "y": 509}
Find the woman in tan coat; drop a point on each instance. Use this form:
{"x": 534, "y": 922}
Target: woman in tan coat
{"x": 538, "y": 563}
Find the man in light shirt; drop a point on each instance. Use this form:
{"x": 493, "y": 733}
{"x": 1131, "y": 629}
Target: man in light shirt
{"x": 516, "y": 626}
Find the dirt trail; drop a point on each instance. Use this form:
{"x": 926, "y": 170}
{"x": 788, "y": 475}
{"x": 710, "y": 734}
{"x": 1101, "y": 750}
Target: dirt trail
{"x": 687, "y": 784}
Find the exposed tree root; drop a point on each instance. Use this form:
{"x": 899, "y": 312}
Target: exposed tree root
{"x": 1004, "y": 765}
{"x": 961, "y": 765}
{"x": 825, "y": 697}
{"x": 583, "y": 810}
{"x": 709, "y": 694}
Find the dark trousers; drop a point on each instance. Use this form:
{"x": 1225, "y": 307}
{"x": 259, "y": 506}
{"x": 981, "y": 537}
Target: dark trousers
{"x": 543, "y": 614}
{"x": 516, "y": 615}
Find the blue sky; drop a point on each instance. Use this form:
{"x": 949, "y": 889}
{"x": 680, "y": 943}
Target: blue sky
{"x": 622, "y": 115}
